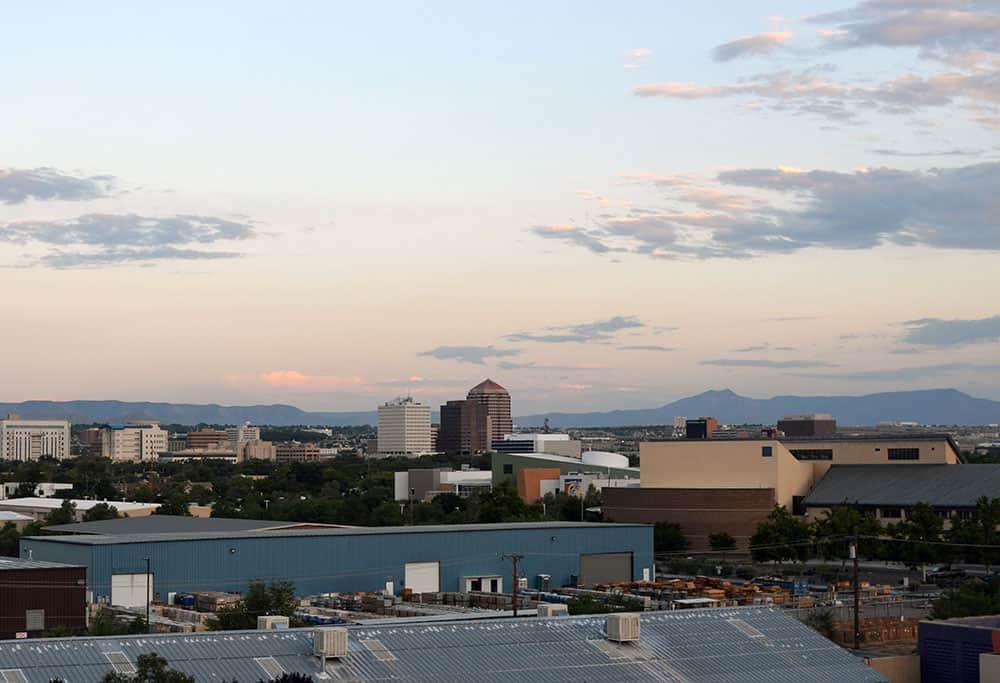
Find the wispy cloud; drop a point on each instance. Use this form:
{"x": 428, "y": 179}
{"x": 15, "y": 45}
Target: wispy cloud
{"x": 645, "y": 347}
{"x": 939, "y": 332}
{"x": 762, "y": 347}
{"x": 906, "y": 374}
{"x": 599, "y": 330}
{"x": 509, "y": 365}
{"x": 766, "y": 363}
{"x": 469, "y": 354}
{"x": 760, "y": 44}
{"x": 955, "y": 152}
{"x": 790, "y": 209}
{"x": 18, "y": 185}
{"x": 636, "y": 57}
{"x": 106, "y": 239}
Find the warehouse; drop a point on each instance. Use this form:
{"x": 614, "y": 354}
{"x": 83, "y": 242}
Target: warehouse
{"x": 695, "y": 646}
{"x": 36, "y": 596}
{"x": 424, "y": 559}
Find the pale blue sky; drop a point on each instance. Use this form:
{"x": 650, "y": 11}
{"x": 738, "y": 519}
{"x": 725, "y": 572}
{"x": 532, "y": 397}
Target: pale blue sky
{"x": 380, "y": 182}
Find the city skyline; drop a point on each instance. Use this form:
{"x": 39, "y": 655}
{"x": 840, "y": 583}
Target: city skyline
{"x": 597, "y": 208}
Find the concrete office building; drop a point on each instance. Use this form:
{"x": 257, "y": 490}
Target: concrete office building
{"x": 465, "y": 428}
{"x": 553, "y": 444}
{"x": 208, "y": 438}
{"x": 29, "y": 440}
{"x": 237, "y": 437}
{"x": 818, "y": 424}
{"x": 134, "y": 442}
{"x": 258, "y": 450}
{"x": 424, "y": 559}
{"x": 710, "y": 486}
{"x": 496, "y": 400}
{"x": 404, "y": 428}
{"x": 295, "y": 451}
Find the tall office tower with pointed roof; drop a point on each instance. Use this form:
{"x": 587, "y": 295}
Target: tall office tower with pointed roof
{"x": 496, "y": 400}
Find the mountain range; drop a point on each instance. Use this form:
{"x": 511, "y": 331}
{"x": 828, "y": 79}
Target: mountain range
{"x": 933, "y": 406}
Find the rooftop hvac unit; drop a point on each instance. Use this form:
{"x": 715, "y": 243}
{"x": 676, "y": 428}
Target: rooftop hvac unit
{"x": 272, "y": 622}
{"x": 623, "y": 628}
{"x": 330, "y": 642}
{"x": 552, "y": 609}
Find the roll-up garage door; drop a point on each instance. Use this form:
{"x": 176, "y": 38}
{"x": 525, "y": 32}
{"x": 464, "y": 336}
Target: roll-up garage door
{"x": 423, "y": 577}
{"x": 129, "y": 590}
{"x": 605, "y": 568}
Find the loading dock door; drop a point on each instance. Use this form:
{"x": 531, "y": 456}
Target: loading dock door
{"x": 605, "y": 568}
{"x": 129, "y": 590}
{"x": 423, "y": 577}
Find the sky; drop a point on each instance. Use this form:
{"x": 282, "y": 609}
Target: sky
{"x": 598, "y": 206}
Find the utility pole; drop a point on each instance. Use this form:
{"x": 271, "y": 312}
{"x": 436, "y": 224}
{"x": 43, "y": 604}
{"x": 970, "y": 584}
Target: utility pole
{"x": 514, "y": 559}
{"x": 857, "y": 592}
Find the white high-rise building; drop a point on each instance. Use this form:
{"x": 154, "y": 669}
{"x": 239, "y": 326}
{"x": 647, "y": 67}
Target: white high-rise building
{"x": 134, "y": 442}
{"x": 404, "y": 428}
{"x": 33, "y": 439}
{"x": 238, "y": 436}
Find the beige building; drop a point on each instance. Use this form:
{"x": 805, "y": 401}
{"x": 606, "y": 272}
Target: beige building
{"x": 258, "y": 450}
{"x": 240, "y": 435}
{"x": 709, "y": 486}
{"x": 404, "y": 428}
{"x": 25, "y": 440}
{"x": 135, "y": 442}
{"x": 294, "y": 451}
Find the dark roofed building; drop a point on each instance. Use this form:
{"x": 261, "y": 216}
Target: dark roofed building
{"x": 695, "y": 646}
{"x": 891, "y": 490}
{"x": 173, "y": 524}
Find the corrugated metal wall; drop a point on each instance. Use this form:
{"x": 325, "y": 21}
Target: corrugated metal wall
{"x": 60, "y": 592}
{"x": 363, "y": 562}
{"x": 949, "y": 653}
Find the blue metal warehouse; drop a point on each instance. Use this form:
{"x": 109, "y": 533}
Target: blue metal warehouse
{"x": 422, "y": 558}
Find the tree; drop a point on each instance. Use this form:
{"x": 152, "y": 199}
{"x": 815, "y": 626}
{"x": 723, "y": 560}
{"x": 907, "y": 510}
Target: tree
{"x": 780, "y": 537}
{"x": 293, "y": 678}
{"x": 721, "y": 541}
{"x": 9, "y": 539}
{"x": 99, "y": 512}
{"x": 277, "y": 598}
{"x": 176, "y": 504}
{"x": 105, "y": 624}
{"x": 669, "y": 538}
{"x": 833, "y": 533}
{"x": 64, "y": 514}
{"x": 920, "y": 531}
{"x": 972, "y": 598}
{"x": 980, "y": 530}
{"x": 821, "y": 620}
{"x": 150, "y": 668}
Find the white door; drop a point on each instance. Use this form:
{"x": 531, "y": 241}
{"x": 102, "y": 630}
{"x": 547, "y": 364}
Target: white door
{"x": 129, "y": 590}
{"x": 423, "y": 577}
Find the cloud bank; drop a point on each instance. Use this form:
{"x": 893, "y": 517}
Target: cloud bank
{"x": 49, "y": 184}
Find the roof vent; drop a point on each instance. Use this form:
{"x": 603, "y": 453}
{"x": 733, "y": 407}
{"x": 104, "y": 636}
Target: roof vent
{"x": 272, "y": 622}
{"x": 330, "y": 642}
{"x": 623, "y": 628}
{"x": 547, "y": 610}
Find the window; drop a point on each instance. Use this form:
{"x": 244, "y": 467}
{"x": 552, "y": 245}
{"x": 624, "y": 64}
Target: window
{"x": 766, "y": 451}
{"x": 508, "y": 469}
{"x": 966, "y": 515}
{"x": 813, "y": 453}
{"x": 891, "y": 513}
{"x": 904, "y": 454}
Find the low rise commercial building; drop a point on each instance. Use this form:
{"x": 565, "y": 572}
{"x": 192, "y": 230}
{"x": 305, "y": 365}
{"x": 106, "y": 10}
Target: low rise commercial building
{"x": 553, "y": 444}
{"x": 528, "y": 472}
{"x": 713, "y": 486}
{"x": 425, "y": 483}
{"x": 29, "y": 440}
{"x": 258, "y": 450}
{"x": 201, "y": 454}
{"x": 208, "y": 438}
{"x": 42, "y": 489}
{"x": 965, "y": 650}
{"x": 240, "y": 435}
{"x": 813, "y": 425}
{"x": 420, "y": 558}
{"x": 762, "y": 644}
{"x": 295, "y": 451}
{"x": 39, "y": 508}
{"x": 36, "y": 596}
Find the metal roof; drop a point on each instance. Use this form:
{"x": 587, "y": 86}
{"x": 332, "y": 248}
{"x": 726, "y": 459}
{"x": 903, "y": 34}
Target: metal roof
{"x": 164, "y": 524}
{"x": 344, "y": 531}
{"x": 905, "y": 485}
{"x": 81, "y": 505}
{"x": 569, "y": 461}
{"x": 693, "y": 646}
{"x": 19, "y": 563}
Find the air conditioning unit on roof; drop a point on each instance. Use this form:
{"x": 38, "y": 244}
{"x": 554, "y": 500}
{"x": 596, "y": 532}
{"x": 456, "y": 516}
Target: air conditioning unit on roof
{"x": 623, "y": 628}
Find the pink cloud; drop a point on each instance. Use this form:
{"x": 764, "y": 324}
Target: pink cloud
{"x": 293, "y": 379}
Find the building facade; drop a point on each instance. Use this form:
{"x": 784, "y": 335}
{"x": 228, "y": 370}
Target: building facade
{"x": 208, "y": 438}
{"x": 496, "y": 400}
{"x": 553, "y": 444}
{"x": 29, "y": 440}
{"x": 295, "y": 451}
{"x": 818, "y": 424}
{"x": 134, "y": 442}
{"x": 240, "y": 435}
{"x": 465, "y": 428}
{"x": 404, "y": 428}
{"x": 258, "y": 450}
{"x": 423, "y": 558}
{"x": 35, "y": 596}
